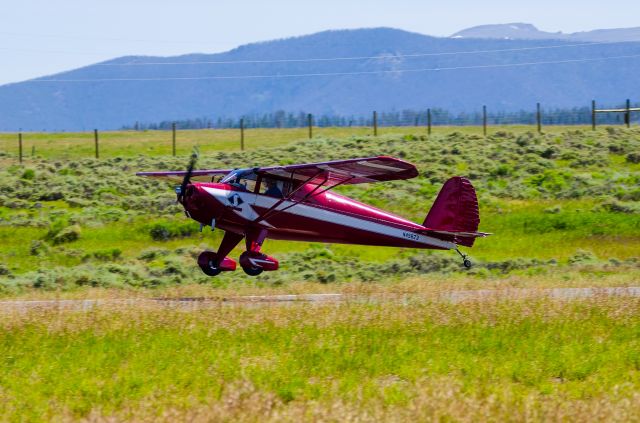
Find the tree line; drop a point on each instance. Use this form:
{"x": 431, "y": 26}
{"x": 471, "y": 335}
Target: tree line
{"x": 407, "y": 117}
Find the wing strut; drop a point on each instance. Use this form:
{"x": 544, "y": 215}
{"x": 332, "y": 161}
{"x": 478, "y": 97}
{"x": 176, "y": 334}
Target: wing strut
{"x": 288, "y": 197}
{"x": 307, "y": 197}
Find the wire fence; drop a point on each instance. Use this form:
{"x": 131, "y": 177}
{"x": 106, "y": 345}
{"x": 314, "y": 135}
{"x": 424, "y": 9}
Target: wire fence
{"x": 226, "y": 134}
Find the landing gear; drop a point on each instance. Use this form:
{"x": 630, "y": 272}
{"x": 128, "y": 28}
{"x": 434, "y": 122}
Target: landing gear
{"x": 465, "y": 259}
{"x": 254, "y": 262}
{"x": 207, "y": 260}
{"x": 249, "y": 269}
{"x": 213, "y": 263}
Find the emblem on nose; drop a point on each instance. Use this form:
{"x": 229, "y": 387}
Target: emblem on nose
{"x": 235, "y": 200}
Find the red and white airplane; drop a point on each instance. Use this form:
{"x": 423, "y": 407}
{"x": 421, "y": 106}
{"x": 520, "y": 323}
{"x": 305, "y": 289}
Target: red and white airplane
{"x": 296, "y": 203}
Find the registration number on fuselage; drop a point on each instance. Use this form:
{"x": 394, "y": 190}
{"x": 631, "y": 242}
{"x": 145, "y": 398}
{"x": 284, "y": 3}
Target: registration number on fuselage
{"x": 411, "y": 236}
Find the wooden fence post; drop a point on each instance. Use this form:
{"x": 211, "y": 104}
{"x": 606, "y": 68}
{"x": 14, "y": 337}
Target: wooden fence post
{"x": 95, "y": 140}
{"x": 429, "y": 121}
{"x": 242, "y": 134}
{"x": 539, "y": 118}
{"x": 310, "y": 124}
{"x": 484, "y": 120}
{"x": 173, "y": 138}
{"x": 20, "y": 147}
{"x": 375, "y": 123}
{"x": 593, "y": 115}
{"x": 627, "y": 115}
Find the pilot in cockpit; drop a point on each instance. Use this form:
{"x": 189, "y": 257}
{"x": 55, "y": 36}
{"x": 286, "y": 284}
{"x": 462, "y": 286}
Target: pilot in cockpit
{"x": 272, "y": 189}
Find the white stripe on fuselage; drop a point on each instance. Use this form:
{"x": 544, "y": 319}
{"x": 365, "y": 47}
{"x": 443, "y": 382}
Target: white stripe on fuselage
{"x": 325, "y": 216}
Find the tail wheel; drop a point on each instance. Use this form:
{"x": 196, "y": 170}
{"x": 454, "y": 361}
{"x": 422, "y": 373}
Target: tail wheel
{"x": 467, "y": 263}
{"x": 207, "y": 261}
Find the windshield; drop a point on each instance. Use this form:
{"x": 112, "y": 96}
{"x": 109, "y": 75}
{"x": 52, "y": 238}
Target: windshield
{"x": 244, "y": 179}
{"x": 235, "y": 175}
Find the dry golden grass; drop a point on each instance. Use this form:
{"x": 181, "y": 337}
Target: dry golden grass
{"x": 437, "y": 399}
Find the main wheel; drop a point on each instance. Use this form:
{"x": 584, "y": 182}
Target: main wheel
{"x": 252, "y": 271}
{"x": 207, "y": 262}
{"x": 467, "y": 263}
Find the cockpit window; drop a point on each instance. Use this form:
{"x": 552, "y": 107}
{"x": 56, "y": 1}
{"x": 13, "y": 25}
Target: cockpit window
{"x": 273, "y": 187}
{"x": 244, "y": 179}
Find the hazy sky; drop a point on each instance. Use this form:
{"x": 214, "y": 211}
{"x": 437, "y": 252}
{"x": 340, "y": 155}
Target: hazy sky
{"x": 40, "y": 37}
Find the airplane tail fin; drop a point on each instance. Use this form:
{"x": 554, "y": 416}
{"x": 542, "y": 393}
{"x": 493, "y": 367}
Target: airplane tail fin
{"x": 455, "y": 216}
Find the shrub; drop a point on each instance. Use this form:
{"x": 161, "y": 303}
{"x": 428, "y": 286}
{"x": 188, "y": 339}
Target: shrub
{"x": 152, "y": 254}
{"x": 68, "y": 234}
{"x": 618, "y": 207}
{"x": 28, "y": 174}
{"x": 164, "y": 231}
{"x": 582, "y": 257}
{"x": 111, "y": 254}
{"x": 4, "y": 270}
{"x": 633, "y": 158}
{"x": 38, "y": 248}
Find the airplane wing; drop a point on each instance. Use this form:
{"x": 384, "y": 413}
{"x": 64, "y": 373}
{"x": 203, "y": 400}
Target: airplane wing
{"x": 337, "y": 172}
{"x": 178, "y": 175}
{"x": 350, "y": 171}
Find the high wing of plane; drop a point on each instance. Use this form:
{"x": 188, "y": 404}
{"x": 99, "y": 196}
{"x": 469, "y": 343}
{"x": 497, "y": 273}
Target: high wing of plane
{"x": 351, "y": 171}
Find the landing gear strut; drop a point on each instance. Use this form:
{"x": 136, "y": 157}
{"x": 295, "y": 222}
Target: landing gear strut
{"x": 465, "y": 259}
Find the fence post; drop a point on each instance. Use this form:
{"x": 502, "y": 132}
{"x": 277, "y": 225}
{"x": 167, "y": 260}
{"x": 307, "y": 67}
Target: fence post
{"x": 33, "y": 151}
{"x": 627, "y": 115}
{"x": 593, "y": 115}
{"x": 429, "y": 121}
{"x": 539, "y": 118}
{"x": 173, "y": 138}
{"x": 20, "y": 147}
{"x": 310, "y": 124}
{"x": 95, "y": 140}
{"x": 375, "y": 123}
{"x": 484, "y": 120}
{"x": 242, "y": 134}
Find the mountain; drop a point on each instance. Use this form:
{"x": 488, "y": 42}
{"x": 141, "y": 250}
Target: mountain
{"x": 525, "y": 31}
{"x": 151, "y": 89}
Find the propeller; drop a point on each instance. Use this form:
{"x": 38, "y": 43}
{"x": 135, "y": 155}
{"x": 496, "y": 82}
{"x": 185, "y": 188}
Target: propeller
{"x": 187, "y": 176}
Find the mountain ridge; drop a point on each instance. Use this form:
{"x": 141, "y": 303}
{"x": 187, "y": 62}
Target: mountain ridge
{"x": 527, "y": 31}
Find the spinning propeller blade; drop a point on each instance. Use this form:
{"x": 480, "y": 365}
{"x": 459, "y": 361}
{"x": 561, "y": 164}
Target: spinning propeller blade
{"x": 187, "y": 177}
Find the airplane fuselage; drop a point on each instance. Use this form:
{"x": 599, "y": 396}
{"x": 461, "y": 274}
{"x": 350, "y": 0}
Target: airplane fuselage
{"x": 307, "y": 215}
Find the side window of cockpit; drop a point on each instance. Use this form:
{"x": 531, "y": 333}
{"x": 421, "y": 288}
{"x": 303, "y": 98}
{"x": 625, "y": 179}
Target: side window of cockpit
{"x": 272, "y": 188}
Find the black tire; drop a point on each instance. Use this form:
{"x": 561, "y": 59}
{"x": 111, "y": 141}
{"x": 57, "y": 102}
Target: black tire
{"x": 252, "y": 271}
{"x": 467, "y": 263}
{"x": 209, "y": 269}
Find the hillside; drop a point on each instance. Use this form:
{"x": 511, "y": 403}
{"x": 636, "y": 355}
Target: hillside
{"x": 151, "y": 97}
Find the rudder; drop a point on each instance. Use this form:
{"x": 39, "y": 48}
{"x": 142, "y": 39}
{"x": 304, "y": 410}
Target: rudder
{"x": 455, "y": 210}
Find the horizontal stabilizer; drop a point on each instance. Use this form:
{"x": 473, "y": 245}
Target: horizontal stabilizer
{"x": 464, "y": 234}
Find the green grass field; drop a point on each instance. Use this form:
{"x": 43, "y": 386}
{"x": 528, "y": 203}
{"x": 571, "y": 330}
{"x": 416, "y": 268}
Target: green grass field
{"x": 517, "y": 360}
{"x": 564, "y": 208}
